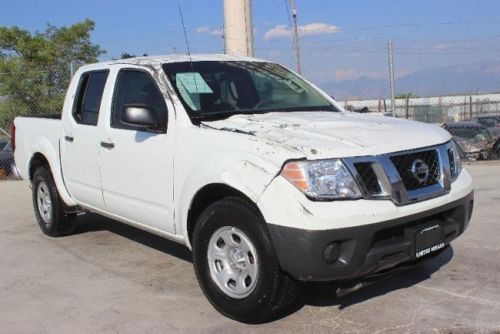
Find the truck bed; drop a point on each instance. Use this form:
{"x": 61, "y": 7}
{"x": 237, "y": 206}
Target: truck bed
{"x": 37, "y": 134}
{"x": 48, "y": 116}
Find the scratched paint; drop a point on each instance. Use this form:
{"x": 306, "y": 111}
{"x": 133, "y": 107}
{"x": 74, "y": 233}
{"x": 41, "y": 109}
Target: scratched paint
{"x": 320, "y": 135}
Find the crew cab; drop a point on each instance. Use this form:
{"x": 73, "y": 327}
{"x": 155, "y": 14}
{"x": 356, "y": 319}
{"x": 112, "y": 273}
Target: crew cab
{"x": 264, "y": 176}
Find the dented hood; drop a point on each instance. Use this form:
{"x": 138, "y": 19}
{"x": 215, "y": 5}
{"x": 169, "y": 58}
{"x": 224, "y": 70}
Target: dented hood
{"x": 319, "y": 135}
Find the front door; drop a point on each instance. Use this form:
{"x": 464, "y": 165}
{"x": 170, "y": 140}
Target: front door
{"x": 137, "y": 165}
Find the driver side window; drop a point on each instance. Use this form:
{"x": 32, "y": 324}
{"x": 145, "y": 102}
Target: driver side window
{"x": 136, "y": 88}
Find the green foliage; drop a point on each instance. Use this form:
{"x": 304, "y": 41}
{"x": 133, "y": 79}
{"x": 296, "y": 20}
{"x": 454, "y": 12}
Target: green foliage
{"x": 406, "y": 96}
{"x": 429, "y": 114}
{"x": 35, "y": 67}
{"x": 126, "y": 55}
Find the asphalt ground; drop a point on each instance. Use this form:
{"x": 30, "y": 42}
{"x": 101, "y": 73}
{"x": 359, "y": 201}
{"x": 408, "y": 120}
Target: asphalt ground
{"x": 113, "y": 278}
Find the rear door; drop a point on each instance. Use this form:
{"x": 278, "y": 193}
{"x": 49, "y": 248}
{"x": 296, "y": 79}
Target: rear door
{"x": 136, "y": 164}
{"x": 80, "y": 140}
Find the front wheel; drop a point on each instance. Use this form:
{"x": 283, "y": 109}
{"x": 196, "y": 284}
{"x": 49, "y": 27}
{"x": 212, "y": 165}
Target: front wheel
{"x": 48, "y": 207}
{"x": 236, "y": 265}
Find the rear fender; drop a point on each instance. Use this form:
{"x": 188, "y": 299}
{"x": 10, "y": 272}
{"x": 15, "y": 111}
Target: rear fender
{"x": 45, "y": 148}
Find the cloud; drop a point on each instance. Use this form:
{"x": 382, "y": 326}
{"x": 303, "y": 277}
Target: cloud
{"x": 209, "y": 30}
{"x": 342, "y": 74}
{"x": 318, "y": 29}
{"x": 217, "y": 32}
{"x": 202, "y": 30}
{"x": 283, "y": 31}
{"x": 277, "y": 32}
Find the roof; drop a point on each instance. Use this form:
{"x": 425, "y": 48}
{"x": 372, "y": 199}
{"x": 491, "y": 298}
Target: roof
{"x": 463, "y": 124}
{"x": 175, "y": 58}
{"x": 486, "y": 116}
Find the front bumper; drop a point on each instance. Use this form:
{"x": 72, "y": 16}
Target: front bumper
{"x": 365, "y": 249}
{"x": 370, "y": 233}
{"x": 478, "y": 155}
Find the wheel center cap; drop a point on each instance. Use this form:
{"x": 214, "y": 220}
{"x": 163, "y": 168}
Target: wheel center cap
{"x": 237, "y": 258}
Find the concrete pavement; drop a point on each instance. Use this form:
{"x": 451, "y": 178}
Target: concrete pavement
{"x": 112, "y": 278}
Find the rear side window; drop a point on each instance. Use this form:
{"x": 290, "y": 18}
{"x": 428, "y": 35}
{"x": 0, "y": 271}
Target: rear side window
{"x": 88, "y": 97}
{"x": 489, "y": 122}
{"x": 137, "y": 88}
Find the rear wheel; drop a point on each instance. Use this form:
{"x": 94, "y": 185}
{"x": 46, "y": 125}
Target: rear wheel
{"x": 48, "y": 207}
{"x": 236, "y": 265}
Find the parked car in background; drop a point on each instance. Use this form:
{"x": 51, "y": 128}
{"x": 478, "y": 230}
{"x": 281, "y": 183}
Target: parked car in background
{"x": 3, "y": 142}
{"x": 474, "y": 140}
{"x": 7, "y": 165}
{"x": 491, "y": 122}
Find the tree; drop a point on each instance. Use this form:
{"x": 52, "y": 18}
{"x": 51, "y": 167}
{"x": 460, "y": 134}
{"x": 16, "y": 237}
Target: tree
{"x": 406, "y": 96}
{"x": 126, "y": 55}
{"x": 35, "y": 67}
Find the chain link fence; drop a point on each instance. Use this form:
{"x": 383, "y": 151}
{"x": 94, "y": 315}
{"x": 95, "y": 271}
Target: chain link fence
{"x": 26, "y": 92}
{"x": 455, "y": 85}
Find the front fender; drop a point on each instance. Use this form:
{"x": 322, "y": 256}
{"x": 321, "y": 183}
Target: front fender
{"x": 245, "y": 172}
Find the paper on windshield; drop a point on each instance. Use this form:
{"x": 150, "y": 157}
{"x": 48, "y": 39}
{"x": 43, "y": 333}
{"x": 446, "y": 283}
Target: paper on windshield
{"x": 193, "y": 83}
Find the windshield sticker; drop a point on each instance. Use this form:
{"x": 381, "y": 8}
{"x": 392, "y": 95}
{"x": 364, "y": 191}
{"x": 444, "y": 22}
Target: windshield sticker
{"x": 193, "y": 100}
{"x": 193, "y": 82}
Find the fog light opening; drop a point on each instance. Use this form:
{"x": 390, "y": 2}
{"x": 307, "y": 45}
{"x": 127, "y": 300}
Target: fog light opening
{"x": 331, "y": 253}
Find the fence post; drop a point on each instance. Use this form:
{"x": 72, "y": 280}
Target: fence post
{"x": 465, "y": 109}
{"x": 391, "y": 78}
{"x": 470, "y": 108}
{"x": 407, "y": 106}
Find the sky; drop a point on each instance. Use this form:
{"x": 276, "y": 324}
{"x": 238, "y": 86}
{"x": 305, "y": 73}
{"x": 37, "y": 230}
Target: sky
{"x": 340, "y": 39}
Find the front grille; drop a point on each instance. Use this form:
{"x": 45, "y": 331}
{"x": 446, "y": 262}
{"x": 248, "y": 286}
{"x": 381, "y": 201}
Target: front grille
{"x": 405, "y": 177}
{"x": 368, "y": 176}
{"x": 404, "y": 162}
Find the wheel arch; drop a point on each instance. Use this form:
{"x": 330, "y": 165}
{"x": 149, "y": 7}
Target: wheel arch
{"x": 38, "y": 159}
{"x": 207, "y": 195}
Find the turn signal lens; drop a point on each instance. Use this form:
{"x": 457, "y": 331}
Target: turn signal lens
{"x": 294, "y": 173}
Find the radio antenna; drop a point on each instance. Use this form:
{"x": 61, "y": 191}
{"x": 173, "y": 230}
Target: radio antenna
{"x": 187, "y": 46}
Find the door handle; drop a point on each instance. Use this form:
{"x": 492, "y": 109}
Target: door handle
{"x": 69, "y": 138}
{"x": 107, "y": 145}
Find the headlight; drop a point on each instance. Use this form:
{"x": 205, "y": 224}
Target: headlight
{"x": 327, "y": 179}
{"x": 455, "y": 161}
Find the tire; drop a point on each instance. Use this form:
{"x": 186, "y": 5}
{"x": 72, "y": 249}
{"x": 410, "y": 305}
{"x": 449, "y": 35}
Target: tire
{"x": 48, "y": 205}
{"x": 263, "y": 290}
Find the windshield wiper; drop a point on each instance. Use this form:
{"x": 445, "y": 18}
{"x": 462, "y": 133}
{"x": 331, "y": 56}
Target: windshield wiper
{"x": 220, "y": 115}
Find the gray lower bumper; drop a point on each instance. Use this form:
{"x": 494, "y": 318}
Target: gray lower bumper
{"x": 362, "y": 250}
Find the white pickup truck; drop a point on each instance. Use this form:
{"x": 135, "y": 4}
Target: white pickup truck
{"x": 264, "y": 176}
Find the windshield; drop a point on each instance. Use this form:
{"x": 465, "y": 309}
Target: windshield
{"x": 7, "y": 147}
{"x": 489, "y": 122}
{"x": 470, "y": 132}
{"x": 215, "y": 90}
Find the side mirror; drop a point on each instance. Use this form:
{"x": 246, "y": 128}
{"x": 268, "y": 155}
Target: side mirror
{"x": 140, "y": 116}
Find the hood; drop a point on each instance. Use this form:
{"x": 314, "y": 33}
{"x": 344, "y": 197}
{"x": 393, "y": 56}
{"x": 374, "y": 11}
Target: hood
{"x": 319, "y": 135}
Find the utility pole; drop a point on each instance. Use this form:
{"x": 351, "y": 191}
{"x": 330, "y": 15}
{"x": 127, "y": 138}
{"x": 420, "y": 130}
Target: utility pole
{"x": 296, "y": 45}
{"x": 391, "y": 78}
{"x": 238, "y": 27}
